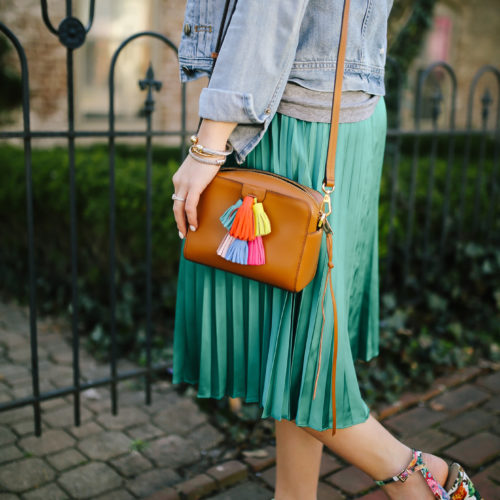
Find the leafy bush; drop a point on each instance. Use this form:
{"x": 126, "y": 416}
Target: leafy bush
{"x": 51, "y": 200}
{"x": 447, "y": 315}
{"x": 446, "y": 319}
{"x": 474, "y": 226}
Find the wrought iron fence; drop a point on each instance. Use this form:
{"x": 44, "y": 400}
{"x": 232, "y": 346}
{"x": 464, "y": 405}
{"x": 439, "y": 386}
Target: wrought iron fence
{"x": 473, "y": 215}
{"x": 400, "y": 220}
{"x": 72, "y": 33}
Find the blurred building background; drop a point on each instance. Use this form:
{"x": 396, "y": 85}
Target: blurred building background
{"x": 113, "y": 22}
{"x": 465, "y": 35}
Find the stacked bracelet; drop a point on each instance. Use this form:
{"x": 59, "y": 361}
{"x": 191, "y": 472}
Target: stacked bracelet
{"x": 209, "y": 160}
{"x": 203, "y": 150}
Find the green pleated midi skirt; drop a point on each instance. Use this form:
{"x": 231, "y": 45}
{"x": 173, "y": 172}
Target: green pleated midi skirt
{"x": 241, "y": 338}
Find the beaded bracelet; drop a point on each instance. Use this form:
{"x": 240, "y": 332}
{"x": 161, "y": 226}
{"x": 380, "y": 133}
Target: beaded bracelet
{"x": 207, "y": 151}
{"x": 216, "y": 162}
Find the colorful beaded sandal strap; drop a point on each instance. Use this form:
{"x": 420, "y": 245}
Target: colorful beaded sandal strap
{"x": 405, "y": 473}
{"x": 417, "y": 463}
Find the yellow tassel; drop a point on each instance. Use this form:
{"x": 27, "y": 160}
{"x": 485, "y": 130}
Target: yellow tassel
{"x": 262, "y": 223}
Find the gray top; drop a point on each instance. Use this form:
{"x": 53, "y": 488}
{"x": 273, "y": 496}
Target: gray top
{"x": 315, "y": 106}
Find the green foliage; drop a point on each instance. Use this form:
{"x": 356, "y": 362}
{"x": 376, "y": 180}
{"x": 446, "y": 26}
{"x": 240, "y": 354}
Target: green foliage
{"x": 51, "y": 200}
{"x": 446, "y": 319}
{"x": 448, "y": 316}
{"x": 138, "y": 445}
{"x": 474, "y": 226}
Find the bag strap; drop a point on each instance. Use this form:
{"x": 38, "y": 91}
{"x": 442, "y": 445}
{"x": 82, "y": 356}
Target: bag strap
{"x": 329, "y": 180}
{"x": 337, "y": 95}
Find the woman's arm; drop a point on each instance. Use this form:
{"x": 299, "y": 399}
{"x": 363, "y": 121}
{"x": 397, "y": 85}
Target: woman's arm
{"x": 254, "y": 62}
{"x": 192, "y": 177}
{"x": 246, "y": 86}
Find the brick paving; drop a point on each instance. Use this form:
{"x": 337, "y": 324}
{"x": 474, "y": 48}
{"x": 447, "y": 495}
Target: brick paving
{"x": 170, "y": 450}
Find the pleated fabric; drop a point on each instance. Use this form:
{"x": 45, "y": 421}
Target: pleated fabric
{"x": 236, "y": 337}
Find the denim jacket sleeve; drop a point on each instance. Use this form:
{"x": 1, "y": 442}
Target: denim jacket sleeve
{"x": 254, "y": 62}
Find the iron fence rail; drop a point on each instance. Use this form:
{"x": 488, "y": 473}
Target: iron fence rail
{"x": 72, "y": 33}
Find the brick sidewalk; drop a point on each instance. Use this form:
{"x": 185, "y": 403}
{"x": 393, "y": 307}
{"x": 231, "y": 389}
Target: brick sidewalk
{"x": 169, "y": 450}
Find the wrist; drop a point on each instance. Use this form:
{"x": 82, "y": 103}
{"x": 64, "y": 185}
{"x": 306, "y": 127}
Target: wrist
{"x": 214, "y": 135}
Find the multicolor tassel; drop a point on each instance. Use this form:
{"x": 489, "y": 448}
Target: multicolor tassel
{"x": 246, "y": 222}
{"x": 224, "y": 245}
{"x": 256, "y": 255}
{"x": 243, "y": 226}
{"x": 262, "y": 223}
{"x": 227, "y": 218}
{"x": 238, "y": 252}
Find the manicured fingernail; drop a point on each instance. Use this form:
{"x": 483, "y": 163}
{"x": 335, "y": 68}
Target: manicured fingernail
{"x": 181, "y": 236}
{"x": 192, "y": 228}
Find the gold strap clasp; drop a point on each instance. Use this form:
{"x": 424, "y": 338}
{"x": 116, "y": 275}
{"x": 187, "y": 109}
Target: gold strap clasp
{"x": 326, "y": 209}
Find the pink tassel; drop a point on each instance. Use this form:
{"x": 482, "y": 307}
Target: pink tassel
{"x": 224, "y": 245}
{"x": 256, "y": 254}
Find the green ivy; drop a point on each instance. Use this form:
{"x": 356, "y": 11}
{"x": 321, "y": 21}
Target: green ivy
{"x": 447, "y": 319}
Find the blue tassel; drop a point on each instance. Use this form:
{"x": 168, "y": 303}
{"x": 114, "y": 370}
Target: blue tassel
{"x": 227, "y": 218}
{"x": 238, "y": 252}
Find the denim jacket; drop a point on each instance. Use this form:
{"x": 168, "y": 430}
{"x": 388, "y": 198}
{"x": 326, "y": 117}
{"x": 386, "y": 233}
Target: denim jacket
{"x": 270, "y": 42}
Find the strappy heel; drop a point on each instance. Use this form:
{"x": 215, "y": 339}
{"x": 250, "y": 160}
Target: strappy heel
{"x": 458, "y": 485}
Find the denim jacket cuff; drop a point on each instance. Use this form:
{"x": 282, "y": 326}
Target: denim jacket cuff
{"x": 228, "y": 106}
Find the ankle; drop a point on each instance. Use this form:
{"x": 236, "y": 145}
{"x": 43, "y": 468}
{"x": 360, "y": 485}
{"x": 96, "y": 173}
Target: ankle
{"x": 396, "y": 464}
{"x": 437, "y": 466}
{"x": 416, "y": 486}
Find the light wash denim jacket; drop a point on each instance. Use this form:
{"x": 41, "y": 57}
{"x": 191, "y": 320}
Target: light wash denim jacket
{"x": 270, "y": 42}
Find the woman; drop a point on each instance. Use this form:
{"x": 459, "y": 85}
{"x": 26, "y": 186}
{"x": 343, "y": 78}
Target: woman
{"x": 270, "y": 97}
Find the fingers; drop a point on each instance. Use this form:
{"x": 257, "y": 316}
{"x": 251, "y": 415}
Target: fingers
{"x": 178, "y": 206}
{"x": 189, "y": 181}
{"x": 191, "y": 205}
{"x": 180, "y": 217}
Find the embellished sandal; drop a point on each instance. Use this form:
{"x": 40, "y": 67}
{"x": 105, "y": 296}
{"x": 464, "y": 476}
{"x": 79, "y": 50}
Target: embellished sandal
{"x": 458, "y": 485}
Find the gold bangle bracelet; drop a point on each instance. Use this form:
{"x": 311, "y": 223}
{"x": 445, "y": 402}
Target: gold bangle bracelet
{"x": 197, "y": 151}
{"x": 207, "y": 161}
{"x": 202, "y": 149}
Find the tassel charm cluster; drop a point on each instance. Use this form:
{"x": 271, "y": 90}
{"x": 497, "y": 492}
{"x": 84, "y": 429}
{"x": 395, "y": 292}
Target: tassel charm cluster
{"x": 246, "y": 223}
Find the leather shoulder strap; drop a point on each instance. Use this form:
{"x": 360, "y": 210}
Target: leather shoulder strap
{"x": 337, "y": 94}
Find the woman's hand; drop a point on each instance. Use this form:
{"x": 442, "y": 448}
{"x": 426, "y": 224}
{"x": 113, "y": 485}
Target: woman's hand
{"x": 192, "y": 177}
{"x": 190, "y": 180}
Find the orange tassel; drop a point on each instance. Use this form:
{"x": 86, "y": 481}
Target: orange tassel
{"x": 243, "y": 226}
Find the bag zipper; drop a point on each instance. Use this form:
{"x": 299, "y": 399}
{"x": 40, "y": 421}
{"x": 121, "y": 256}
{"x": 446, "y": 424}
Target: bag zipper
{"x": 305, "y": 189}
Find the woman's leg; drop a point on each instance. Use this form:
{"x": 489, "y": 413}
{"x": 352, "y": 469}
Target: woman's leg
{"x": 368, "y": 446}
{"x": 298, "y": 459}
